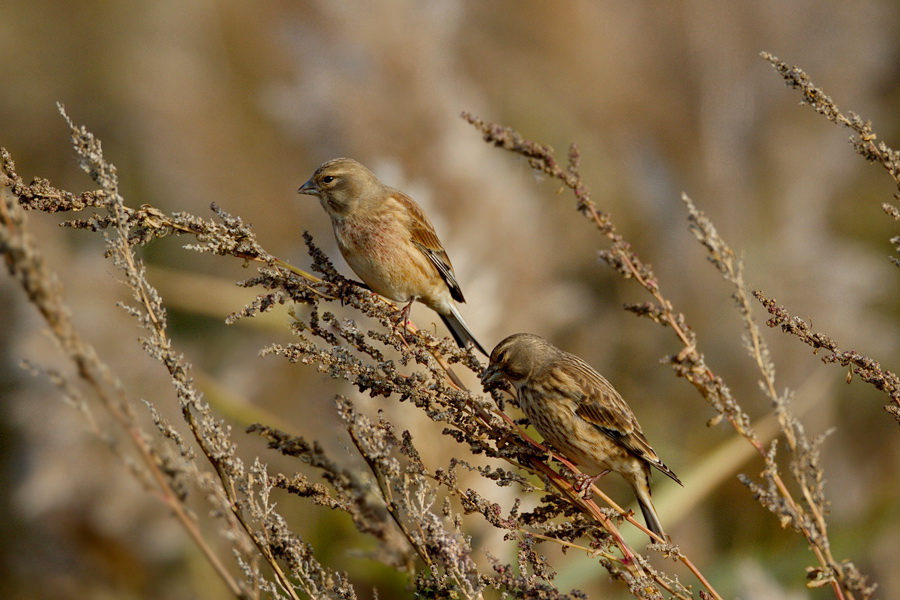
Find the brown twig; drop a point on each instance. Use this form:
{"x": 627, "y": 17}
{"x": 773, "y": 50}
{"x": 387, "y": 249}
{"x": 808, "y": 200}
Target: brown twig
{"x": 864, "y": 139}
{"x": 868, "y": 369}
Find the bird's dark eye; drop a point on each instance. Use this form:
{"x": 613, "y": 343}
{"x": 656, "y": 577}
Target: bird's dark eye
{"x": 328, "y": 179}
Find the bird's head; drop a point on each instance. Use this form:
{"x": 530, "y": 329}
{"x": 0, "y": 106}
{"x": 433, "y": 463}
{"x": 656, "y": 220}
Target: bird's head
{"x": 341, "y": 185}
{"x": 517, "y": 357}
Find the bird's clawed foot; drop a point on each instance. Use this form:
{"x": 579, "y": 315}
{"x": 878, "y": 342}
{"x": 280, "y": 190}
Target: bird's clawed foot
{"x": 584, "y": 483}
{"x": 401, "y": 326}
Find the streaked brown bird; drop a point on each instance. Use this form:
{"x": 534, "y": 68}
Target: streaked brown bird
{"x": 578, "y": 412}
{"x": 389, "y": 243}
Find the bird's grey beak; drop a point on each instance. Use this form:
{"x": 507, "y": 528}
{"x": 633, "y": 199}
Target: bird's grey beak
{"x": 309, "y": 188}
{"x": 492, "y": 373}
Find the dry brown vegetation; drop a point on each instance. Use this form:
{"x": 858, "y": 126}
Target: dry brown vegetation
{"x": 398, "y": 504}
{"x": 370, "y": 463}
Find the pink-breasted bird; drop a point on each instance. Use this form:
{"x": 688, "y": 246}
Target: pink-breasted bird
{"x": 389, "y": 243}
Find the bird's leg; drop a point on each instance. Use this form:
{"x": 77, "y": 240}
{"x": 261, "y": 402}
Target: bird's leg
{"x": 404, "y": 313}
{"x": 583, "y": 482}
{"x": 586, "y": 481}
{"x": 403, "y": 319}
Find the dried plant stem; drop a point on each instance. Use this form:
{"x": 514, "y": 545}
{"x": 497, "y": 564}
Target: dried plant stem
{"x": 864, "y": 140}
{"x": 868, "y": 369}
{"x": 815, "y": 97}
{"x": 689, "y": 362}
{"x": 864, "y": 143}
{"x": 155, "y": 321}
{"x": 724, "y": 259}
{"x": 27, "y": 265}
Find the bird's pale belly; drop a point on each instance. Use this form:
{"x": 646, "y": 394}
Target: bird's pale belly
{"x": 386, "y": 264}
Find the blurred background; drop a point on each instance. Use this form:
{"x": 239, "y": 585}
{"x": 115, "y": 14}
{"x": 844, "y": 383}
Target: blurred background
{"x": 237, "y": 103}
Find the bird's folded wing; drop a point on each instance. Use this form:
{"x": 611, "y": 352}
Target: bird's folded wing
{"x": 602, "y": 406}
{"x": 426, "y": 240}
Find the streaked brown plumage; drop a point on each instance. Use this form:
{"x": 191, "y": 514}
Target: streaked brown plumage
{"x": 388, "y": 241}
{"x": 578, "y": 412}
